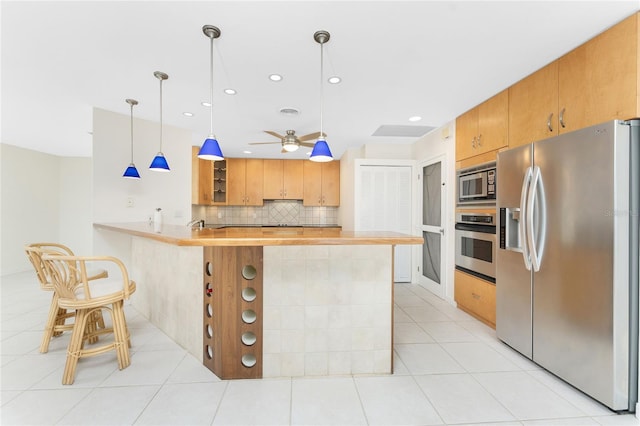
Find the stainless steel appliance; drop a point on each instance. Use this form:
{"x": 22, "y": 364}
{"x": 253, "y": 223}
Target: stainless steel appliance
{"x": 477, "y": 185}
{"x": 567, "y": 262}
{"x": 476, "y": 244}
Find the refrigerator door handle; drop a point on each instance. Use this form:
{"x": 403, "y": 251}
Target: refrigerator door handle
{"x": 535, "y": 199}
{"x": 522, "y": 228}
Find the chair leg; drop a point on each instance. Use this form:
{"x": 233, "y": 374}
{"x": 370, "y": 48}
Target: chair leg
{"x": 75, "y": 346}
{"x": 120, "y": 335}
{"x": 52, "y": 320}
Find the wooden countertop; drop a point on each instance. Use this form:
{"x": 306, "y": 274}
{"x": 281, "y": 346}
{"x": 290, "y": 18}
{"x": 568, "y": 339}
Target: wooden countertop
{"x": 246, "y": 236}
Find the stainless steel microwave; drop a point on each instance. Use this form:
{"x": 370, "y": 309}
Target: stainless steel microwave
{"x": 477, "y": 185}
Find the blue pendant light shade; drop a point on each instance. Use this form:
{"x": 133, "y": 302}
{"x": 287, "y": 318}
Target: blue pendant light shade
{"x": 210, "y": 149}
{"x": 321, "y": 152}
{"x": 131, "y": 172}
{"x": 159, "y": 163}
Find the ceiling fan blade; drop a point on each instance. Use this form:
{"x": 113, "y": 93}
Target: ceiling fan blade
{"x": 309, "y": 144}
{"x": 309, "y": 136}
{"x": 263, "y": 143}
{"x": 274, "y": 134}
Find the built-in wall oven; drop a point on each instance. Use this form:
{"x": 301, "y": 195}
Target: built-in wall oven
{"x": 476, "y": 244}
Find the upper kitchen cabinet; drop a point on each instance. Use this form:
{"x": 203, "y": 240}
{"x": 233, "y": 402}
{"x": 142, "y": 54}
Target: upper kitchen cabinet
{"x": 598, "y": 81}
{"x": 483, "y": 128}
{"x": 208, "y": 180}
{"x": 533, "y": 107}
{"x": 283, "y": 180}
{"x": 321, "y": 184}
{"x": 244, "y": 181}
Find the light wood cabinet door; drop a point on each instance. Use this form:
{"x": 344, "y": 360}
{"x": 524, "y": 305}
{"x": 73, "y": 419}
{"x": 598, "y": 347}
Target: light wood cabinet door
{"x": 331, "y": 184}
{"x": 272, "y": 180}
{"x": 466, "y": 134}
{"x": 236, "y": 181}
{"x": 598, "y": 81}
{"x": 245, "y": 182}
{"x": 533, "y": 107}
{"x": 254, "y": 182}
{"x": 493, "y": 123}
{"x": 201, "y": 179}
{"x": 312, "y": 194}
{"x": 292, "y": 179}
{"x": 476, "y": 296}
{"x": 321, "y": 184}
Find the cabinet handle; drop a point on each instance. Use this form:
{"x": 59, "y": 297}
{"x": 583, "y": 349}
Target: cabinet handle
{"x": 562, "y": 118}
{"x": 549, "y": 126}
{"x": 479, "y": 140}
{"x": 473, "y": 143}
{"x": 285, "y": 192}
{"x": 475, "y": 296}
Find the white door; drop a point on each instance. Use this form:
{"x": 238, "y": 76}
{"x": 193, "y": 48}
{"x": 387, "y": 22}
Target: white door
{"x": 432, "y": 196}
{"x": 384, "y": 204}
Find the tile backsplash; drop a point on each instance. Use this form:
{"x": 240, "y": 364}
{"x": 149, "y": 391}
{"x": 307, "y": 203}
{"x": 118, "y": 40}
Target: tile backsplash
{"x": 278, "y": 212}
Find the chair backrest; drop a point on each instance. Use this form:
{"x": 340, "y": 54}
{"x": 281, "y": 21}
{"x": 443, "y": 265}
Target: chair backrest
{"x": 70, "y": 278}
{"x": 63, "y": 272}
{"x": 34, "y": 253}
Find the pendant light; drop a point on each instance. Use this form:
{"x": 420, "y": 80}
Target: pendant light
{"x": 159, "y": 163}
{"x": 210, "y": 149}
{"x": 321, "y": 152}
{"x": 131, "y": 172}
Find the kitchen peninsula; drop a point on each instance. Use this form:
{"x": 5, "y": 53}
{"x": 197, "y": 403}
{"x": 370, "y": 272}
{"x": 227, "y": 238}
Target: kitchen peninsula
{"x": 268, "y": 302}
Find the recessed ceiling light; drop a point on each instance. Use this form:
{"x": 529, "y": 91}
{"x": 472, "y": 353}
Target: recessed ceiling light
{"x": 415, "y": 118}
{"x": 289, "y": 111}
{"x": 275, "y": 77}
{"x": 247, "y": 152}
{"x": 206, "y": 104}
{"x": 187, "y": 114}
{"x": 230, "y": 91}
{"x": 334, "y": 80}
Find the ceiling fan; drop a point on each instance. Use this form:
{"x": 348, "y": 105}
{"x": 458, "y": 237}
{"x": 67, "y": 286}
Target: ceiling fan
{"x": 290, "y": 142}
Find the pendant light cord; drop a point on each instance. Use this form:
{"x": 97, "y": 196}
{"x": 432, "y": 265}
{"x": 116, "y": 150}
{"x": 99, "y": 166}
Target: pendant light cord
{"x": 321, "y": 86}
{"x": 211, "y": 86}
{"x": 160, "y": 115}
{"x": 132, "y": 133}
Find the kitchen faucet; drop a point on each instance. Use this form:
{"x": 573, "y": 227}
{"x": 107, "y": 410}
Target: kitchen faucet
{"x": 193, "y": 222}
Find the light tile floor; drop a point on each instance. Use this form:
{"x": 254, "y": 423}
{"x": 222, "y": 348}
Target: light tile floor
{"x": 450, "y": 369}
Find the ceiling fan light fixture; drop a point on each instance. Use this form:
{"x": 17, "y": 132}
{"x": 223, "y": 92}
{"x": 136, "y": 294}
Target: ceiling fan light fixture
{"x": 210, "y": 149}
{"x": 290, "y": 146}
{"x": 159, "y": 163}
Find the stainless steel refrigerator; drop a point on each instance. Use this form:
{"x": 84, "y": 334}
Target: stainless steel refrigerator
{"x": 567, "y": 260}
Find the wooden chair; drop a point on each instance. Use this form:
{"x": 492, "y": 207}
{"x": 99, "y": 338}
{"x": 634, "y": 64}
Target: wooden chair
{"x": 57, "y": 318}
{"x": 71, "y": 283}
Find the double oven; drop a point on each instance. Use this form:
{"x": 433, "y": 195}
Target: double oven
{"x": 476, "y": 240}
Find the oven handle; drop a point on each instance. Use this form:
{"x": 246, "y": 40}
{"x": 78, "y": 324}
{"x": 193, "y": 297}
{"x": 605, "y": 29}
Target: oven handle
{"x": 485, "y": 229}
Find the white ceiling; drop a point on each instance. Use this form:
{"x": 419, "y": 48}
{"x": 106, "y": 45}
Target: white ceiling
{"x": 396, "y": 60}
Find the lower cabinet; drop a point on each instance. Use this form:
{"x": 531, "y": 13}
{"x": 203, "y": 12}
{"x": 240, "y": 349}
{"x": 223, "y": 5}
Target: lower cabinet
{"x": 476, "y": 297}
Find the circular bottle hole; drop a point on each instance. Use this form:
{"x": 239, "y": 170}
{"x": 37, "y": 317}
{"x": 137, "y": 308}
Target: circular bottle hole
{"x": 209, "y": 352}
{"x": 208, "y": 290}
{"x": 248, "y": 360}
{"x": 209, "y": 310}
{"x": 249, "y": 316}
{"x": 248, "y": 338}
{"x": 249, "y": 272}
{"x": 209, "y": 331}
{"x": 209, "y": 269}
{"x": 249, "y": 294}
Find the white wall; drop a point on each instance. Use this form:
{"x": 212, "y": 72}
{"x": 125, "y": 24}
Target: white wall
{"x": 30, "y": 204}
{"x": 435, "y": 143}
{"x": 111, "y": 155}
